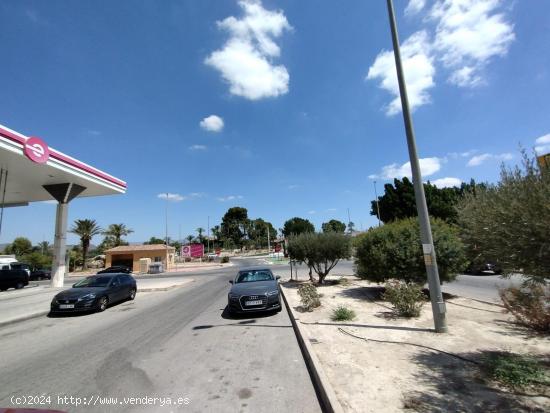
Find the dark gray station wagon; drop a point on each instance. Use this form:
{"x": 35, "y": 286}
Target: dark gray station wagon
{"x": 254, "y": 289}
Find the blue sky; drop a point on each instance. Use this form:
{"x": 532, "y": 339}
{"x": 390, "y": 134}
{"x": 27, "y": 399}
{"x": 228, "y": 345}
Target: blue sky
{"x": 282, "y": 107}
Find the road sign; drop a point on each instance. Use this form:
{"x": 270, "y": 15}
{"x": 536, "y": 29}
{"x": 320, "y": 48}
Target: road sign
{"x": 544, "y": 161}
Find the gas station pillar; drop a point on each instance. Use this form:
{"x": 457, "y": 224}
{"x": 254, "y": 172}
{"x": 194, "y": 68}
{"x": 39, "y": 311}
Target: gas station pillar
{"x": 60, "y": 245}
{"x": 63, "y": 193}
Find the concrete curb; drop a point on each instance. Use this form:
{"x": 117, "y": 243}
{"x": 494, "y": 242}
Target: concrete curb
{"x": 170, "y": 287}
{"x": 24, "y": 318}
{"x": 329, "y": 401}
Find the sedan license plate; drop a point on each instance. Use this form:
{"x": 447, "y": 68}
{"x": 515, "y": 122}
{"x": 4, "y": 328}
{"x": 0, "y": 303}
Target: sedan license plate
{"x": 256, "y": 302}
{"x": 66, "y": 306}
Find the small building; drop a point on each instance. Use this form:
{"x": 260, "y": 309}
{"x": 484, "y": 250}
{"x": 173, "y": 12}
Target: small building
{"x": 129, "y": 255}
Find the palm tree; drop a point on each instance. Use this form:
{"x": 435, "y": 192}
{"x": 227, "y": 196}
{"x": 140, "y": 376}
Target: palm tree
{"x": 117, "y": 231}
{"x": 200, "y": 231}
{"x": 44, "y": 247}
{"x": 86, "y": 229}
{"x": 190, "y": 239}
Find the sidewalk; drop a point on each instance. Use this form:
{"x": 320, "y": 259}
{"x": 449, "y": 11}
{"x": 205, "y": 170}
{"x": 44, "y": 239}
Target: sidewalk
{"x": 34, "y": 301}
{"x": 180, "y": 267}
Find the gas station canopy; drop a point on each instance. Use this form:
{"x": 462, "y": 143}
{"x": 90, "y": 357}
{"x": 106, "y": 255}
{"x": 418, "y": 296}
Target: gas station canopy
{"x": 31, "y": 171}
{"x": 31, "y": 164}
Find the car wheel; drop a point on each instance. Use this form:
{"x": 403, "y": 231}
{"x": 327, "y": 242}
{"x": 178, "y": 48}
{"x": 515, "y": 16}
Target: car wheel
{"x": 19, "y": 285}
{"x": 132, "y": 294}
{"x": 102, "y": 305}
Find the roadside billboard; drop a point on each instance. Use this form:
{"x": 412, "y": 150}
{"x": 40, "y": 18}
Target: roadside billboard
{"x": 192, "y": 250}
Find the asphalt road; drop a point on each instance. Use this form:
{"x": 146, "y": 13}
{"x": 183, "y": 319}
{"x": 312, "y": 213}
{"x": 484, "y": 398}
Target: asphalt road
{"x": 479, "y": 287}
{"x": 177, "y": 346}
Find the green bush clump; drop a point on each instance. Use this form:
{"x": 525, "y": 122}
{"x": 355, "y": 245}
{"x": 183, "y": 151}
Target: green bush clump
{"x": 225, "y": 259}
{"x": 530, "y": 305}
{"x": 394, "y": 250}
{"x": 309, "y": 296}
{"x": 514, "y": 370}
{"x": 342, "y": 314}
{"x": 407, "y": 298}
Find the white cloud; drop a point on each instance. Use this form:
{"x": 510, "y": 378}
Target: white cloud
{"x": 197, "y": 148}
{"x": 171, "y": 197}
{"x": 246, "y": 59}
{"x": 94, "y": 132}
{"x": 467, "y": 154}
{"x": 177, "y": 197}
{"x": 312, "y": 212}
{"x": 479, "y": 159}
{"x": 419, "y": 72}
{"x": 428, "y": 166}
{"x": 447, "y": 182}
{"x": 543, "y": 144}
{"x": 196, "y": 194}
{"x": 229, "y": 198}
{"x": 468, "y": 35}
{"x": 212, "y": 123}
{"x": 291, "y": 187}
{"x": 414, "y": 6}
{"x": 331, "y": 210}
{"x": 462, "y": 36}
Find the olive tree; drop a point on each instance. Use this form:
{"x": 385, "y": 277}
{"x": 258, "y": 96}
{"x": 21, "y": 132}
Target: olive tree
{"x": 394, "y": 251}
{"x": 320, "y": 251}
{"x": 509, "y": 222}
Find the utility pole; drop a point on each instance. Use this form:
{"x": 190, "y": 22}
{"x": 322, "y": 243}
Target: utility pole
{"x": 268, "y": 241}
{"x": 377, "y": 206}
{"x": 349, "y": 223}
{"x": 208, "y": 234}
{"x": 436, "y": 296}
{"x": 166, "y": 216}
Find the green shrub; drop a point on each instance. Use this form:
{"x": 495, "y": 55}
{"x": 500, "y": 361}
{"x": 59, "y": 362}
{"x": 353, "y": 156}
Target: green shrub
{"x": 508, "y": 222}
{"x": 394, "y": 250}
{"x": 406, "y": 298}
{"x": 225, "y": 259}
{"x": 529, "y": 305}
{"x": 513, "y": 370}
{"x": 342, "y": 314}
{"x": 309, "y": 296}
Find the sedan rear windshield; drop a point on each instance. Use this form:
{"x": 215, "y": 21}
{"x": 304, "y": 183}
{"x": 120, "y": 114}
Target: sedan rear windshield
{"x": 93, "y": 282}
{"x": 251, "y": 276}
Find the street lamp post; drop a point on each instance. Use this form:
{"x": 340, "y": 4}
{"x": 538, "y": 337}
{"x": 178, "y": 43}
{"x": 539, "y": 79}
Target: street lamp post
{"x": 268, "y": 242}
{"x": 166, "y": 220}
{"x": 377, "y": 206}
{"x": 436, "y": 296}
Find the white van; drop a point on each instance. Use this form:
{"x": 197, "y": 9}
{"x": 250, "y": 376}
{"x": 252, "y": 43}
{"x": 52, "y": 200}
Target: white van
{"x": 6, "y": 261}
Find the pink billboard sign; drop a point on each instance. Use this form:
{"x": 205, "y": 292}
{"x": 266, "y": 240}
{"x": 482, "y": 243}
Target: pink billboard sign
{"x": 192, "y": 250}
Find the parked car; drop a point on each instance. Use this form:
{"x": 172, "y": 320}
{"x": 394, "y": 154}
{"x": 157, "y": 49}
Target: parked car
{"x": 254, "y": 289}
{"x": 95, "y": 293}
{"x": 41, "y": 274}
{"x": 13, "y": 279}
{"x": 116, "y": 269}
{"x": 21, "y": 266}
{"x": 485, "y": 268}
